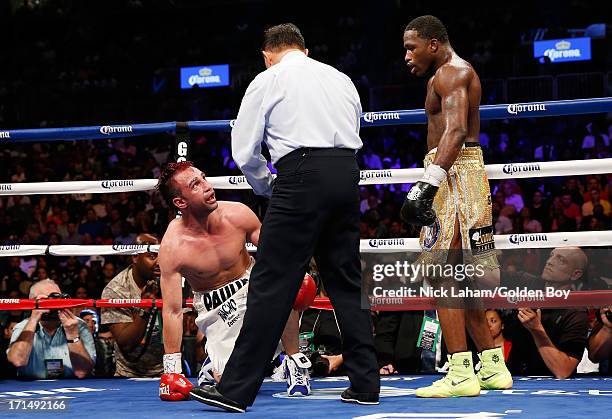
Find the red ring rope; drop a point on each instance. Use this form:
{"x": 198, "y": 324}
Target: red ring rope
{"x": 575, "y": 299}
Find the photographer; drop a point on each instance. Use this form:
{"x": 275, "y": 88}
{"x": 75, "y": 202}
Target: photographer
{"x": 600, "y": 342}
{"x": 552, "y": 340}
{"x": 320, "y": 339}
{"x": 51, "y": 343}
{"x": 138, "y": 346}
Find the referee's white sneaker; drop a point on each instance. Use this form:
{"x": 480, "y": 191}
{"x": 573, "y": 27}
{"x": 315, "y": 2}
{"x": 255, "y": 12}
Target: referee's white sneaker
{"x": 296, "y": 372}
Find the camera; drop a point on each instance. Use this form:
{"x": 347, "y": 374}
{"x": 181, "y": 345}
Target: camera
{"x": 54, "y": 314}
{"x": 320, "y": 365}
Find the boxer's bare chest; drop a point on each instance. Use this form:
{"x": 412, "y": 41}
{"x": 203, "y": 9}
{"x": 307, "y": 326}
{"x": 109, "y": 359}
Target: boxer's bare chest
{"x": 435, "y": 121}
{"x": 213, "y": 259}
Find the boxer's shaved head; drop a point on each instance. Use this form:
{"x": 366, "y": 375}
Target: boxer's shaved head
{"x": 428, "y": 27}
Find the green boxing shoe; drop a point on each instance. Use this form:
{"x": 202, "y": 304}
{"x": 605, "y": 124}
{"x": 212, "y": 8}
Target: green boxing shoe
{"x": 460, "y": 381}
{"x": 493, "y": 373}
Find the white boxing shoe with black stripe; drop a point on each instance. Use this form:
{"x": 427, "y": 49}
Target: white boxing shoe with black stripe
{"x": 206, "y": 375}
{"x": 296, "y": 372}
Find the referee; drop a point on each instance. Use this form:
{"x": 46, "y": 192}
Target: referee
{"x": 308, "y": 114}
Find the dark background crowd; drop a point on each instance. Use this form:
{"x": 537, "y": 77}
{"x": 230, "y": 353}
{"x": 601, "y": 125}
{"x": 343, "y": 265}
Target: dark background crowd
{"x": 71, "y": 63}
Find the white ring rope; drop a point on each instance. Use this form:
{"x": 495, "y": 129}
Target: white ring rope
{"x": 368, "y": 177}
{"x": 502, "y": 242}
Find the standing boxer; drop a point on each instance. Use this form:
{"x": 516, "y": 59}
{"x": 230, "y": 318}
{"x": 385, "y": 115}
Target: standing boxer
{"x": 453, "y": 202}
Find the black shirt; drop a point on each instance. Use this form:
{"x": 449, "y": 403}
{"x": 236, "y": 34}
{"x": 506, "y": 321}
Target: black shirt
{"x": 566, "y": 328}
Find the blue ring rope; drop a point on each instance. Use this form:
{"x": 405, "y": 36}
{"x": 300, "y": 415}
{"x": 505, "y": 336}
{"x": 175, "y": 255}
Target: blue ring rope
{"x": 368, "y": 119}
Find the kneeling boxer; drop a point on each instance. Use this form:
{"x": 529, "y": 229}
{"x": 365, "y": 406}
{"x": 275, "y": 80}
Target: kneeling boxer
{"x": 206, "y": 246}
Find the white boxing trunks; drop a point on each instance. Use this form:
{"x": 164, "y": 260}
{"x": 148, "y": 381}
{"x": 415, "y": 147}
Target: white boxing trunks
{"x": 220, "y": 316}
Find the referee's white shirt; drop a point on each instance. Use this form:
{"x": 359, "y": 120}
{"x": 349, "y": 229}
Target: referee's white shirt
{"x": 298, "y": 102}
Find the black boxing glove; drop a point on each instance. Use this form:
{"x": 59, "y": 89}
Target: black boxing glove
{"x": 417, "y": 206}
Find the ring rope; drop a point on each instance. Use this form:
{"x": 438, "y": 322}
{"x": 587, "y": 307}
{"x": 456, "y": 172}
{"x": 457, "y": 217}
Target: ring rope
{"x": 368, "y": 119}
{"x": 574, "y": 299}
{"x": 406, "y": 244}
{"x": 368, "y": 177}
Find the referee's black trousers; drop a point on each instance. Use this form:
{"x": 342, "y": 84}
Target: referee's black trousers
{"x": 314, "y": 210}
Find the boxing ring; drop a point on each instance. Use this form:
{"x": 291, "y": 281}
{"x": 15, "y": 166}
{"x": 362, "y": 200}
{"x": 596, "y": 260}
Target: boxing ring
{"x": 530, "y": 397}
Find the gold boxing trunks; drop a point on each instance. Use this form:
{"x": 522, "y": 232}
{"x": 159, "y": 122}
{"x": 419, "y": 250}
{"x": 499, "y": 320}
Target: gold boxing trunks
{"x": 465, "y": 195}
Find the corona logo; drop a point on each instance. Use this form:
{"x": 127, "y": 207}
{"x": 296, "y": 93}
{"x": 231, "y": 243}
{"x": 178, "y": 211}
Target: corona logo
{"x": 107, "y": 129}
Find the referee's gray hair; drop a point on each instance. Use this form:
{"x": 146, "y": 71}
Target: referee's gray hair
{"x": 36, "y": 285}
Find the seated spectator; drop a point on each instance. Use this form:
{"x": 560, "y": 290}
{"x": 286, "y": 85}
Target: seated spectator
{"x": 105, "y": 352}
{"x": 529, "y": 225}
{"x": 126, "y": 236}
{"x": 324, "y": 347}
{"x": 51, "y": 230}
{"x": 598, "y": 213}
{"x": 552, "y": 340}
{"x": 80, "y": 292}
{"x": 540, "y": 210}
{"x": 570, "y": 209}
{"x": 395, "y": 340}
{"x": 496, "y": 326}
{"x": 51, "y": 343}
{"x": 7, "y": 370}
{"x": 108, "y": 273}
{"x": 91, "y": 225}
{"x": 572, "y": 187}
{"x": 503, "y": 225}
{"x": 72, "y": 234}
{"x": 500, "y": 198}
{"x": 370, "y": 199}
{"x": 562, "y": 223}
{"x": 600, "y": 341}
{"x": 594, "y": 132}
{"x": 595, "y": 199}
{"x": 138, "y": 346}
{"x": 371, "y": 160}
{"x": 397, "y": 230}
{"x": 592, "y": 182}
{"x": 512, "y": 193}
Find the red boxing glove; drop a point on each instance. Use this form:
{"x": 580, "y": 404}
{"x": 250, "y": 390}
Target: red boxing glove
{"x": 174, "y": 387}
{"x": 306, "y": 294}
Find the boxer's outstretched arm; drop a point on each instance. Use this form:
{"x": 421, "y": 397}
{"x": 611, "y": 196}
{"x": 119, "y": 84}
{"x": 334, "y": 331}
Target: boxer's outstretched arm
{"x": 172, "y": 312}
{"x": 291, "y": 335}
{"x": 451, "y": 84}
